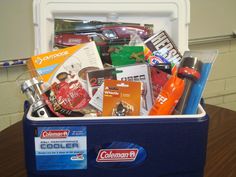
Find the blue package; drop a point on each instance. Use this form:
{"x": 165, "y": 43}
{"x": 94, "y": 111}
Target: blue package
{"x": 197, "y": 90}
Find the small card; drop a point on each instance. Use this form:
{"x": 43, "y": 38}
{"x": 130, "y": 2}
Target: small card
{"x": 97, "y": 99}
{"x": 121, "y": 98}
{"x": 96, "y": 78}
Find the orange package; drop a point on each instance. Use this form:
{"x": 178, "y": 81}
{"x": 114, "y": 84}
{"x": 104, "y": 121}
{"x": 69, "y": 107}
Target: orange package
{"x": 70, "y": 63}
{"x": 121, "y": 98}
{"x": 168, "y": 97}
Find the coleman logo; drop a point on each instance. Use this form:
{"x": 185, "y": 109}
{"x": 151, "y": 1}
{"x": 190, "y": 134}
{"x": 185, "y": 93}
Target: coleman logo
{"x": 46, "y": 134}
{"x": 39, "y": 60}
{"x": 117, "y": 155}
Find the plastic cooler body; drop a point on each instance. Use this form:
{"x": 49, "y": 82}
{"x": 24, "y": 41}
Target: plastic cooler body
{"x": 164, "y": 146}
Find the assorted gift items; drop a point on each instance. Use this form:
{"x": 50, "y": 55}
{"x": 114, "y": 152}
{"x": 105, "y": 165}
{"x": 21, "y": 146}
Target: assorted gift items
{"x": 148, "y": 76}
{"x": 111, "y": 39}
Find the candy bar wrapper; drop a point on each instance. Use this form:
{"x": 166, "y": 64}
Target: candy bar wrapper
{"x": 161, "y": 49}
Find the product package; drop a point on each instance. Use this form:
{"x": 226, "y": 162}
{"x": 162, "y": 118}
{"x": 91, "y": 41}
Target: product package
{"x": 137, "y": 73}
{"x": 169, "y": 96}
{"x": 32, "y": 89}
{"x": 161, "y": 49}
{"x": 95, "y": 78}
{"x": 97, "y": 99}
{"x": 159, "y": 78}
{"x": 121, "y": 98}
{"x": 69, "y": 32}
{"x": 120, "y": 55}
{"x": 64, "y": 73}
{"x": 207, "y": 59}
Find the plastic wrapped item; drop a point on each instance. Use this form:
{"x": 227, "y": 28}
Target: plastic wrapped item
{"x": 95, "y": 78}
{"x": 67, "y": 99}
{"x": 159, "y": 78}
{"x": 169, "y": 96}
{"x": 70, "y": 32}
{"x": 33, "y": 91}
{"x": 207, "y": 59}
{"x": 97, "y": 99}
{"x": 189, "y": 70}
{"x": 135, "y": 40}
{"x": 121, "y": 55}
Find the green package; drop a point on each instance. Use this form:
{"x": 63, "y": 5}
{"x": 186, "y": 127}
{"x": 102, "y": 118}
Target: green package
{"x": 119, "y": 55}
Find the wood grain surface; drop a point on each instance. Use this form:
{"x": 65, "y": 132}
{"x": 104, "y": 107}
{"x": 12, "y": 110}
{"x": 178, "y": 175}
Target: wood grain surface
{"x": 221, "y": 150}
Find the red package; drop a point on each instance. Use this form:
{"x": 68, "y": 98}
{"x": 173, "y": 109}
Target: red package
{"x": 69, "y": 96}
{"x": 159, "y": 78}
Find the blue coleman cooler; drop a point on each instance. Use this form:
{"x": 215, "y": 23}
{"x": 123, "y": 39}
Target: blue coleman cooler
{"x": 157, "y": 146}
{"x": 141, "y": 146}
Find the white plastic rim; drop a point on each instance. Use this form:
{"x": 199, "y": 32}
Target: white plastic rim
{"x": 201, "y": 113}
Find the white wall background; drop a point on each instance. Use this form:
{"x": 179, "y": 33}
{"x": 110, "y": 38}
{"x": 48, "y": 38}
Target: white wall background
{"x": 16, "y": 31}
{"x": 212, "y": 18}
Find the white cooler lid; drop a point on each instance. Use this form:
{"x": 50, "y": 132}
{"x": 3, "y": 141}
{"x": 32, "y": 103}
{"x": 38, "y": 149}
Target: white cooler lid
{"x": 170, "y": 15}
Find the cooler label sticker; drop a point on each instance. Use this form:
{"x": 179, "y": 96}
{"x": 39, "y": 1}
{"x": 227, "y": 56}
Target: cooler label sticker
{"x": 61, "y": 148}
{"x": 117, "y": 155}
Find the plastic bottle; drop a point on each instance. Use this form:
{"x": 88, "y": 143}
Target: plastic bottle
{"x": 168, "y": 97}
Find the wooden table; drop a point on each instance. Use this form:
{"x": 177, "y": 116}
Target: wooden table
{"x": 221, "y": 150}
